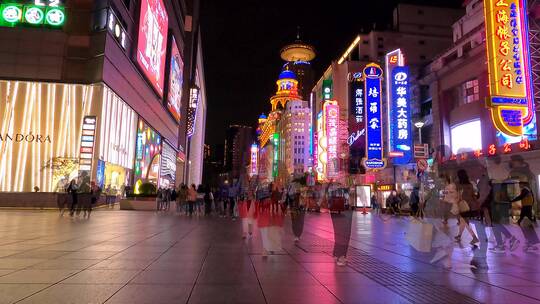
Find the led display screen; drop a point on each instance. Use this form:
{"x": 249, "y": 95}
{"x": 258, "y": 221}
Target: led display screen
{"x": 174, "y": 98}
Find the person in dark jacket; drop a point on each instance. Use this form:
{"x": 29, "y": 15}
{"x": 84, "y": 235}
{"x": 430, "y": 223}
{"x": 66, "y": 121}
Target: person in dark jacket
{"x": 415, "y": 201}
{"x": 72, "y": 189}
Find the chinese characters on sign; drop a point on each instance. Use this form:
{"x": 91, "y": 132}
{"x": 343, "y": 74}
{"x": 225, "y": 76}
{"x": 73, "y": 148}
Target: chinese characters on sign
{"x": 400, "y": 116}
{"x": 357, "y": 125}
{"x": 374, "y": 159}
{"x": 331, "y": 118}
{"x": 152, "y": 45}
{"x": 509, "y": 65}
{"x": 254, "y": 159}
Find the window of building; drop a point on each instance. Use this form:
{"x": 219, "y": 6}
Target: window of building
{"x": 420, "y": 12}
{"x": 365, "y": 42}
{"x": 366, "y": 57}
{"x": 422, "y": 57}
{"x": 380, "y": 54}
{"x": 380, "y": 46}
{"x": 380, "y": 38}
{"x": 421, "y": 42}
{"x": 470, "y": 91}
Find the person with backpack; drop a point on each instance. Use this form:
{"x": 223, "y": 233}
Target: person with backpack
{"x": 526, "y": 197}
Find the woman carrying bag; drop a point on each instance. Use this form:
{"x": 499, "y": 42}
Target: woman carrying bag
{"x": 467, "y": 206}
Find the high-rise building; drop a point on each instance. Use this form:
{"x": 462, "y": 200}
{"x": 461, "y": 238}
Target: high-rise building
{"x": 237, "y": 150}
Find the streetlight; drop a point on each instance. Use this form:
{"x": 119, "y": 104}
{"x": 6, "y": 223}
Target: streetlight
{"x": 419, "y": 125}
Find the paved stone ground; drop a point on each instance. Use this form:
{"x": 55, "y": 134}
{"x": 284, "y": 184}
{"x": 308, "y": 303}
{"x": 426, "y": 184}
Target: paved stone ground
{"x": 146, "y": 257}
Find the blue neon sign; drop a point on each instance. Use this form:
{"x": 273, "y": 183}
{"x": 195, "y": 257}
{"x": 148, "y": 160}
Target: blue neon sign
{"x": 401, "y": 139}
{"x": 374, "y": 159}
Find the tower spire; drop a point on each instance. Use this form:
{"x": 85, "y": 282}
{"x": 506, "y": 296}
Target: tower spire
{"x": 298, "y": 32}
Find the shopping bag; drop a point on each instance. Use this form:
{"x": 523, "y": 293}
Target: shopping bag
{"x": 420, "y": 235}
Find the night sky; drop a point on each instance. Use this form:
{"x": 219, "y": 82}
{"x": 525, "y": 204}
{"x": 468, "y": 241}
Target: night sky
{"x": 242, "y": 38}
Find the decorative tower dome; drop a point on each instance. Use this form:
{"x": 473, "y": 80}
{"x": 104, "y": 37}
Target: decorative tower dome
{"x": 298, "y": 50}
{"x": 287, "y": 89}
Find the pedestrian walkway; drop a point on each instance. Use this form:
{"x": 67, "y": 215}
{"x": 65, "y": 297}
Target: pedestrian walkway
{"x": 147, "y": 257}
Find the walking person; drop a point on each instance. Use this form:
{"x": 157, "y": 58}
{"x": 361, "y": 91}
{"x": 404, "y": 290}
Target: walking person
{"x": 174, "y": 195}
{"x": 72, "y": 189}
{"x": 435, "y": 209}
{"x": 200, "y": 200}
{"x": 465, "y": 190}
{"x": 95, "y": 192}
{"x": 233, "y": 194}
{"x": 415, "y": 201}
{"x": 527, "y": 202}
{"x": 375, "y": 204}
{"x": 159, "y": 199}
{"x": 341, "y": 222}
{"x": 181, "y": 198}
{"x": 191, "y": 199}
{"x": 208, "y": 199}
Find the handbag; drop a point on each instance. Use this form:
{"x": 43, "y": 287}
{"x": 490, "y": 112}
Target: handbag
{"x": 420, "y": 235}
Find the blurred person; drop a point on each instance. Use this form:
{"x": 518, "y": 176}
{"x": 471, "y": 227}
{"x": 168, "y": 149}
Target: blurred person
{"x": 182, "y": 199}
{"x": 159, "y": 199}
{"x": 466, "y": 193}
{"x": 297, "y": 210}
{"x": 341, "y": 222}
{"x": 527, "y": 202}
{"x": 191, "y": 199}
{"x": 375, "y": 204}
{"x": 208, "y": 200}
{"x": 415, "y": 201}
{"x": 200, "y": 200}
{"x": 72, "y": 189}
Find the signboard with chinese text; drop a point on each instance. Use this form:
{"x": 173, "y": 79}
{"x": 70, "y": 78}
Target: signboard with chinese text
{"x": 509, "y": 66}
{"x": 321, "y": 144}
{"x": 374, "y": 159}
{"x": 400, "y": 122}
{"x": 331, "y": 119}
{"x": 152, "y": 44}
{"x": 254, "y": 160}
{"x": 357, "y": 125}
{"x": 174, "y": 96}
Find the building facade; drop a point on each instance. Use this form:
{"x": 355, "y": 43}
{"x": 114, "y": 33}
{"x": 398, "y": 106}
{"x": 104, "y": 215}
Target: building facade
{"x": 237, "y": 150}
{"x": 463, "y": 131}
{"x": 98, "y": 91}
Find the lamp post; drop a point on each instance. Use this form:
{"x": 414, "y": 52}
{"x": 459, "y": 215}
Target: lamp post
{"x": 419, "y": 125}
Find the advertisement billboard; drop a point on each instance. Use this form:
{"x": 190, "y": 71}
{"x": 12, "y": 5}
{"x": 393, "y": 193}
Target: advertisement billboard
{"x": 152, "y": 42}
{"x": 331, "y": 126}
{"x": 174, "y": 96}
{"x": 510, "y": 81}
{"x": 357, "y": 125}
{"x": 374, "y": 159}
{"x": 401, "y": 139}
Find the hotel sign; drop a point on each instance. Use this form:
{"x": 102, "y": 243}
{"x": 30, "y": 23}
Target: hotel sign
{"x": 374, "y": 159}
{"x": 510, "y": 85}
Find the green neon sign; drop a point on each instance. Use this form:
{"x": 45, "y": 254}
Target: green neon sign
{"x": 55, "y": 17}
{"x": 11, "y": 13}
{"x": 275, "y": 166}
{"x": 14, "y": 14}
{"x": 34, "y": 15}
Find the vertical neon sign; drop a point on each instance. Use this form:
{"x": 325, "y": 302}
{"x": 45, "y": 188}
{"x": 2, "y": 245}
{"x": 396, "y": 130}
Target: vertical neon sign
{"x": 254, "y": 160}
{"x": 509, "y": 66}
{"x": 357, "y": 124}
{"x": 331, "y": 119}
{"x": 374, "y": 159}
{"x": 400, "y": 117}
{"x": 275, "y": 167}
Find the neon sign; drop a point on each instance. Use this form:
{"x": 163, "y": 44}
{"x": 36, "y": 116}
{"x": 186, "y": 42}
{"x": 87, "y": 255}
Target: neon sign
{"x": 331, "y": 119}
{"x": 374, "y": 159}
{"x": 327, "y": 89}
{"x": 400, "y": 116}
{"x": 275, "y": 164}
{"x": 38, "y": 13}
{"x": 510, "y": 78}
{"x": 321, "y": 145}
{"x": 87, "y": 143}
{"x": 254, "y": 160}
{"x": 357, "y": 124}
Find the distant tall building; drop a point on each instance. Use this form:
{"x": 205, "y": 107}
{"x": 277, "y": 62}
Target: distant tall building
{"x": 237, "y": 149}
{"x": 298, "y": 56}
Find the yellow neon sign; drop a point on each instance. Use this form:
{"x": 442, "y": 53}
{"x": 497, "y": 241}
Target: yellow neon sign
{"x": 508, "y": 66}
